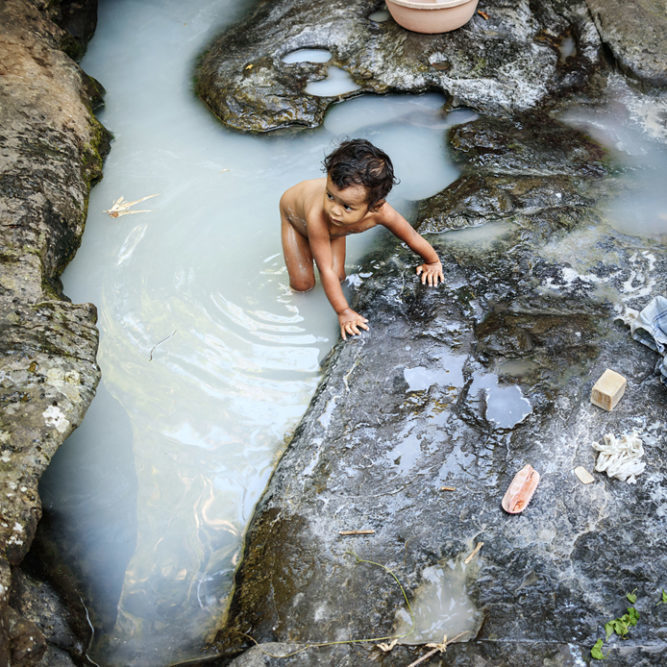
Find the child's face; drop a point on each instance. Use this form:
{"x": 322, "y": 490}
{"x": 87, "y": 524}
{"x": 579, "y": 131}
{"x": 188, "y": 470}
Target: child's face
{"x": 345, "y": 206}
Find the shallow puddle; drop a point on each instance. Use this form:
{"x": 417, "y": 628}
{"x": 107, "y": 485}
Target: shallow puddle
{"x": 505, "y": 405}
{"x": 338, "y": 82}
{"x": 641, "y": 207}
{"x": 308, "y": 56}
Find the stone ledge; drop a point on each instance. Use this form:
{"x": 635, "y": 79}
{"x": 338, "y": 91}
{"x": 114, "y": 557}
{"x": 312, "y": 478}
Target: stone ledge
{"x": 50, "y": 152}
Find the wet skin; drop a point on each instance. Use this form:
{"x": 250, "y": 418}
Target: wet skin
{"x": 316, "y": 216}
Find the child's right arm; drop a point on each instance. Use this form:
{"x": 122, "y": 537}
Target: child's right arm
{"x": 349, "y": 321}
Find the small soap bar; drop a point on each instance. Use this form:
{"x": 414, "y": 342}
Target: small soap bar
{"x": 607, "y": 391}
{"x": 584, "y": 476}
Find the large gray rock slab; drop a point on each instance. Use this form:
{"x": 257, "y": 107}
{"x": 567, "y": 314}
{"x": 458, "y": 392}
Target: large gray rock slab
{"x": 636, "y": 35}
{"x": 510, "y": 62}
{"x": 529, "y": 309}
{"x": 50, "y": 147}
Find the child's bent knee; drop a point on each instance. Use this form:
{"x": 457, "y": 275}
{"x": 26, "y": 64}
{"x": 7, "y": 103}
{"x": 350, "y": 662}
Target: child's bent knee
{"x": 302, "y": 285}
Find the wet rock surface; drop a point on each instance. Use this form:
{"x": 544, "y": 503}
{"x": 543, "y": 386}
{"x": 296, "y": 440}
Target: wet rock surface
{"x": 509, "y": 62}
{"x": 50, "y": 147}
{"x": 635, "y": 35}
{"x": 459, "y": 387}
{"x": 531, "y": 306}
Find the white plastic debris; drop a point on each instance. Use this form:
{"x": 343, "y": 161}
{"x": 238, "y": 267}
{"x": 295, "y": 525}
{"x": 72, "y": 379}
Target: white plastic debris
{"x": 620, "y": 457}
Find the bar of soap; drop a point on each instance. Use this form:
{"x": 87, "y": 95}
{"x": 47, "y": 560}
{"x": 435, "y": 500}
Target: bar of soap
{"x": 584, "y": 476}
{"x": 607, "y": 391}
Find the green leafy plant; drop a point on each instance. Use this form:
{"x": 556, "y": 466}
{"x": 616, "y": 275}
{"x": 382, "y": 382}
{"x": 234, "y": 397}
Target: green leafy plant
{"x": 622, "y": 625}
{"x": 664, "y": 598}
{"x": 619, "y": 626}
{"x": 596, "y": 651}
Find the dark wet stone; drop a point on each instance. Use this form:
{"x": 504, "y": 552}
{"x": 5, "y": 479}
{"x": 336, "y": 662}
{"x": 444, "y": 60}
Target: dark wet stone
{"x": 532, "y": 306}
{"x": 381, "y": 465}
{"x": 51, "y": 620}
{"x": 245, "y": 83}
{"x": 79, "y": 19}
{"x": 528, "y": 168}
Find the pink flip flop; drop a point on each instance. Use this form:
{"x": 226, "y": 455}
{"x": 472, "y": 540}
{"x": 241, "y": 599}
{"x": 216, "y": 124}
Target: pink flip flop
{"x": 521, "y": 490}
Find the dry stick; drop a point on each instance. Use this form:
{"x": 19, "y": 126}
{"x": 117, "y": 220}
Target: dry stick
{"x": 439, "y": 648}
{"x": 356, "y": 532}
{"x": 473, "y": 553}
{"x": 448, "y": 488}
{"x": 425, "y": 657}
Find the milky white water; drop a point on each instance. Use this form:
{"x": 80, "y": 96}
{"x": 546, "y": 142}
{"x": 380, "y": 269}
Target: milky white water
{"x": 208, "y": 359}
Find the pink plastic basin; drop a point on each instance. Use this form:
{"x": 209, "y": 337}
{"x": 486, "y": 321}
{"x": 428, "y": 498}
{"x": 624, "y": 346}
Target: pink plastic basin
{"x": 431, "y": 16}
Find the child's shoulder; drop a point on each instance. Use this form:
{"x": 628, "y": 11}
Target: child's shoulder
{"x": 310, "y": 183}
{"x": 306, "y": 189}
{"x": 385, "y": 213}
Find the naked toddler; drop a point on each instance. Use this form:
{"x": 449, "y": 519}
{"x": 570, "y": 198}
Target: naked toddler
{"x": 316, "y": 216}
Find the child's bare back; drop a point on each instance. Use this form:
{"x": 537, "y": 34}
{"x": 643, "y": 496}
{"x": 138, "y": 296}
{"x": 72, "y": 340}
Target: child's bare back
{"x": 317, "y": 215}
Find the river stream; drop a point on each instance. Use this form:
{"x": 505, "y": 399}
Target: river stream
{"x": 208, "y": 359}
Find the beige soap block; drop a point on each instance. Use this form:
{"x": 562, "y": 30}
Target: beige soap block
{"x": 607, "y": 391}
{"x": 584, "y": 476}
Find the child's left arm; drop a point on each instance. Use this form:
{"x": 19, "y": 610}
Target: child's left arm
{"x": 431, "y": 270}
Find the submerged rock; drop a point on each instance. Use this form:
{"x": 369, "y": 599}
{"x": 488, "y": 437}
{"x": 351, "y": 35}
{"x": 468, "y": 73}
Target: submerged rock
{"x": 49, "y": 155}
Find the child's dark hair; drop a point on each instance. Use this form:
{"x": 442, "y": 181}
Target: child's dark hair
{"x": 357, "y": 161}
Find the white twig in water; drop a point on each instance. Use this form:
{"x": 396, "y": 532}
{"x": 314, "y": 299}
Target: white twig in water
{"x": 387, "y": 646}
{"x": 120, "y": 206}
{"x": 473, "y": 553}
{"x": 166, "y": 338}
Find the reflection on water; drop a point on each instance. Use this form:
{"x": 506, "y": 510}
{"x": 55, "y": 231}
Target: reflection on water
{"x": 208, "y": 359}
{"x": 506, "y": 406}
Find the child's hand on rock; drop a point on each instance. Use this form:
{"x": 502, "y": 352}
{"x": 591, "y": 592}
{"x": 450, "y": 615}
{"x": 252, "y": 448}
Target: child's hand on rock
{"x": 350, "y": 322}
{"x": 431, "y": 274}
